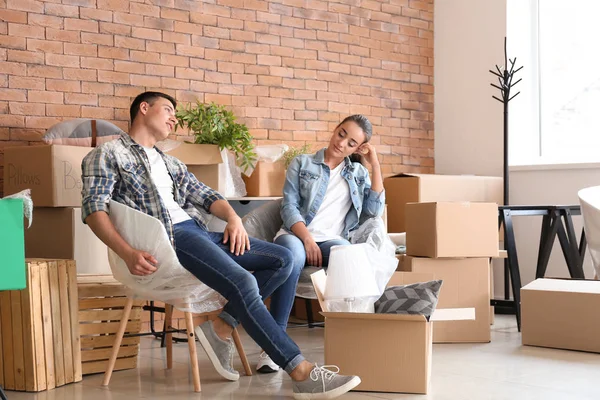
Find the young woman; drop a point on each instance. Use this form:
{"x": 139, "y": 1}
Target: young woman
{"x": 326, "y": 196}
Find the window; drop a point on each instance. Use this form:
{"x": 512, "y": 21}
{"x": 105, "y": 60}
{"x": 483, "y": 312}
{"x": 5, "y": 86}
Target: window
{"x": 556, "y": 118}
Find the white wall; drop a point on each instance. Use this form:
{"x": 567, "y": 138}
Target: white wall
{"x": 468, "y": 41}
{"x": 547, "y": 186}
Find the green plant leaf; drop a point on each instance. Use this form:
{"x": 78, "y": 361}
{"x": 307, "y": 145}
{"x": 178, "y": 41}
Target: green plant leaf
{"x": 293, "y": 152}
{"x": 214, "y": 124}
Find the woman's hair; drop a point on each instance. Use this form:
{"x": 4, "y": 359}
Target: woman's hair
{"x": 361, "y": 121}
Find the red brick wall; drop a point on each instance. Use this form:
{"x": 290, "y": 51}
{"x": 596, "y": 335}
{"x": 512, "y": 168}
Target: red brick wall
{"x": 290, "y": 69}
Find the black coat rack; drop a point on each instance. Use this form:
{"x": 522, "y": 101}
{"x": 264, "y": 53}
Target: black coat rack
{"x": 505, "y": 83}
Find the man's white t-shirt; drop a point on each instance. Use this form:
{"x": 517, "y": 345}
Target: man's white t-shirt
{"x": 328, "y": 223}
{"x": 164, "y": 184}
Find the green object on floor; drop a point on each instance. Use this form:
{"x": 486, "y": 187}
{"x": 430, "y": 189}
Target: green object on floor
{"x": 12, "y": 245}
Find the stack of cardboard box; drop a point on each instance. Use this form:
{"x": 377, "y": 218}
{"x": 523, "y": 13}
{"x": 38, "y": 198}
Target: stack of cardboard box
{"x": 53, "y": 173}
{"x": 455, "y": 242}
{"x": 451, "y": 225}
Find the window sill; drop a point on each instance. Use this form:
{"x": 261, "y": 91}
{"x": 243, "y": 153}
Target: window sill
{"x": 548, "y": 167}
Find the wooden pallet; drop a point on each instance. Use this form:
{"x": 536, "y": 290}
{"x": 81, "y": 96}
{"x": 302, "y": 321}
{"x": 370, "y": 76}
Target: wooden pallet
{"x": 100, "y": 309}
{"x": 39, "y": 329}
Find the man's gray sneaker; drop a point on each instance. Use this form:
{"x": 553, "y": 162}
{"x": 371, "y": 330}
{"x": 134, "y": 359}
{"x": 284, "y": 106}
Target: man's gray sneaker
{"x": 219, "y": 351}
{"x": 323, "y": 383}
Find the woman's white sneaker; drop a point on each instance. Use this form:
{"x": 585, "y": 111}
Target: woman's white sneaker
{"x": 265, "y": 364}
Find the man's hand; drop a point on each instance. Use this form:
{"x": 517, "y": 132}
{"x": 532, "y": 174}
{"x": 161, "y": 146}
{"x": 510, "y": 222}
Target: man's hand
{"x": 237, "y": 236}
{"x": 140, "y": 263}
{"x": 313, "y": 253}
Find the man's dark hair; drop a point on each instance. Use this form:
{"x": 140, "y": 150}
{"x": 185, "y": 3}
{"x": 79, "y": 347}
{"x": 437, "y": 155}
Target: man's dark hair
{"x": 148, "y": 97}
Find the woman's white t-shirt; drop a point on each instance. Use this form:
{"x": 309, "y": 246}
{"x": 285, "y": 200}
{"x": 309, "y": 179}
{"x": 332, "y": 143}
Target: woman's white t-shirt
{"x": 328, "y": 223}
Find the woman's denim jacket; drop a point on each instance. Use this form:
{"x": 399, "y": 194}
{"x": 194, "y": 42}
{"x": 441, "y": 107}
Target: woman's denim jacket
{"x": 305, "y": 186}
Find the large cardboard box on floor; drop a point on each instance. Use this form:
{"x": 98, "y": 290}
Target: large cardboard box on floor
{"x": 452, "y": 229}
{"x": 205, "y": 161}
{"x": 266, "y": 180}
{"x": 466, "y": 283}
{"x": 390, "y": 352}
{"x": 562, "y": 314}
{"x": 53, "y": 173}
{"x": 419, "y": 188}
{"x": 59, "y": 233}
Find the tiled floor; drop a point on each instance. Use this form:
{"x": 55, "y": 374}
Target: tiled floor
{"x": 502, "y": 369}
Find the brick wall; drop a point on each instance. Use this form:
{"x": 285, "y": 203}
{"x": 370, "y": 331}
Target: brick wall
{"x": 289, "y": 69}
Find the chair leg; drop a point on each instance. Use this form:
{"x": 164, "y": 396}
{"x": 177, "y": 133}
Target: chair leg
{"x": 241, "y": 352}
{"x": 168, "y": 336}
{"x": 2, "y": 394}
{"x": 309, "y": 313}
{"x": 118, "y": 340}
{"x": 189, "y": 322}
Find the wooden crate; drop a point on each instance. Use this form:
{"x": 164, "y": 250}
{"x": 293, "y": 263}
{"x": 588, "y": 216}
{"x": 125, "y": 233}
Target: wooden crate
{"x": 39, "y": 344}
{"x": 100, "y": 310}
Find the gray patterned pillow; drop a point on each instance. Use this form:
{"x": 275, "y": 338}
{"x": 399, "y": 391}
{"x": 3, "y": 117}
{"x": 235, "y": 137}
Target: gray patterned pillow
{"x": 417, "y": 298}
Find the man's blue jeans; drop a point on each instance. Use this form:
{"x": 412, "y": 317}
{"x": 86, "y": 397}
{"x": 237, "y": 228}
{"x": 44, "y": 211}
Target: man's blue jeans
{"x": 282, "y": 299}
{"x": 206, "y": 257}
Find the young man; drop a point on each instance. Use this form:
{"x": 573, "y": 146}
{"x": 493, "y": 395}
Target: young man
{"x": 131, "y": 171}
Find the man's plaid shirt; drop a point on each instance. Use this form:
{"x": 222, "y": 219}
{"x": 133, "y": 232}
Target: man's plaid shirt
{"x": 120, "y": 170}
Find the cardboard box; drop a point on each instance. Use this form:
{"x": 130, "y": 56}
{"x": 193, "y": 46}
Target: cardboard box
{"x": 401, "y": 262}
{"x": 59, "y": 233}
{"x": 267, "y": 179}
{"x": 562, "y": 314}
{"x": 389, "y": 352}
{"x": 419, "y": 188}
{"x": 466, "y": 284}
{"x": 492, "y": 309}
{"x": 452, "y": 229}
{"x": 12, "y": 244}
{"x": 53, "y": 173}
{"x": 205, "y": 161}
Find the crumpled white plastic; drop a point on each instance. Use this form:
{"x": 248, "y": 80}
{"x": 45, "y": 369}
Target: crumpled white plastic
{"x": 382, "y": 252}
{"x": 25, "y": 195}
{"x": 382, "y": 263}
{"x": 171, "y": 283}
{"x": 271, "y": 153}
{"x": 268, "y": 153}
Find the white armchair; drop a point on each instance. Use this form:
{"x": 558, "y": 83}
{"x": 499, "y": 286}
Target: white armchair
{"x": 589, "y": 199}
{"x": 171, "y": 284}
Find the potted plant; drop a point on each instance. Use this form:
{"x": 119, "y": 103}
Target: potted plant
{"x": 214, "y": 124}
{"x": 293, "y": 152}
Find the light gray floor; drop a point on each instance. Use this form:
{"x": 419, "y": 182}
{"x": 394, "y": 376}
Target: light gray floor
{"x": 502, "y": 369}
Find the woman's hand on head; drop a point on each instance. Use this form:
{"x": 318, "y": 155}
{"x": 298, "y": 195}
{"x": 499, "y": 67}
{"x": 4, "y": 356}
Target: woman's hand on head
{"x": 367, "y": 150}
